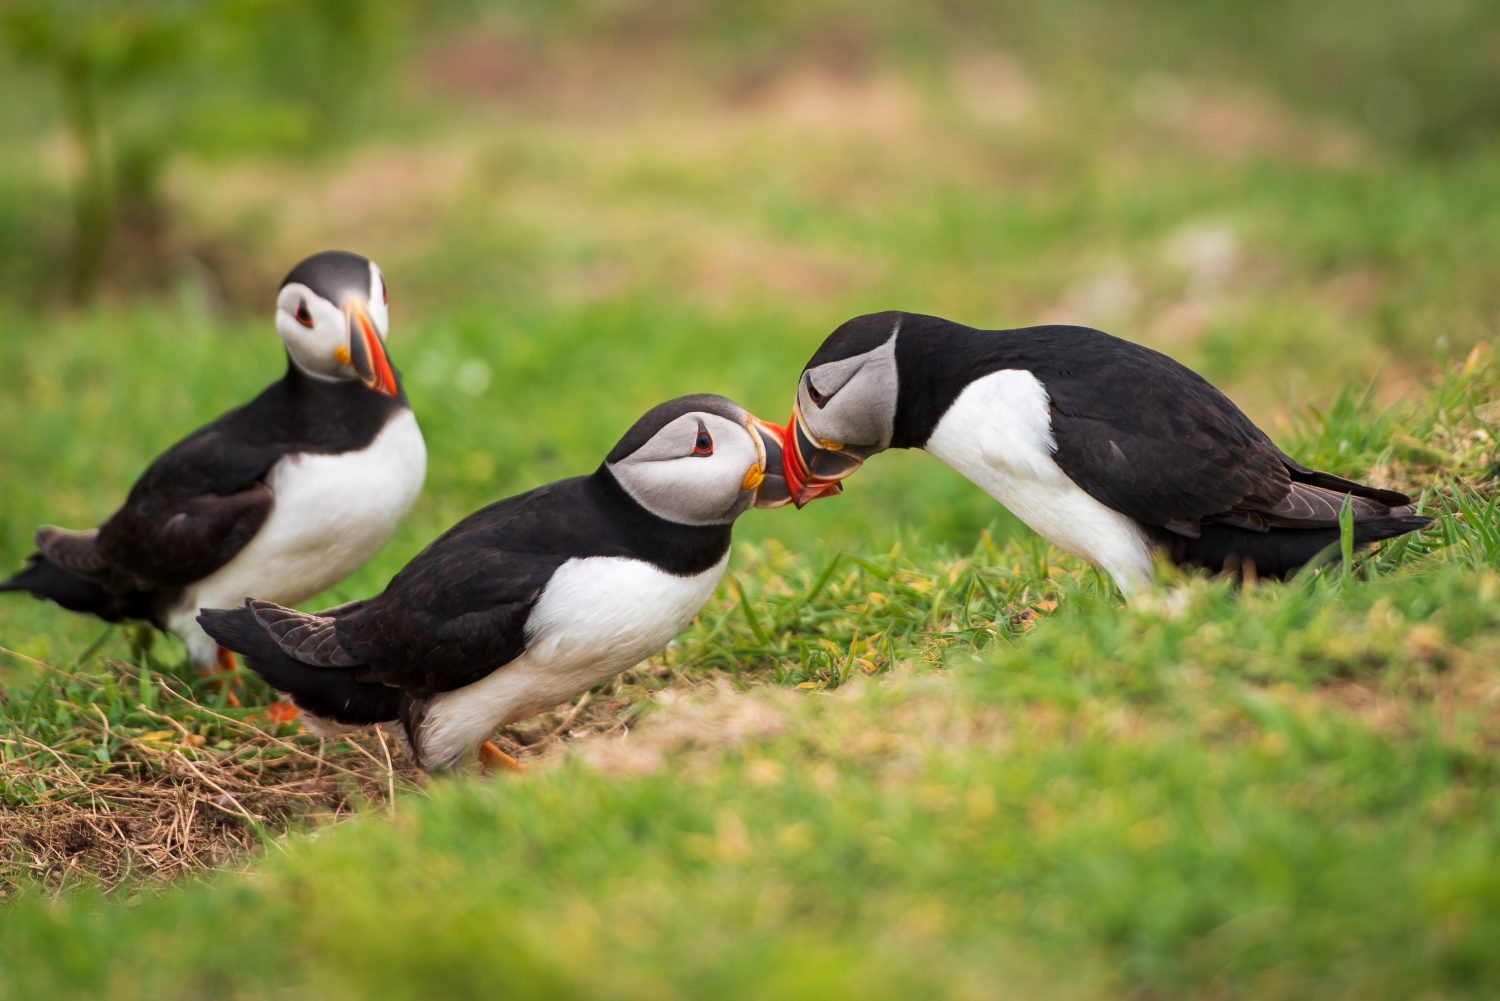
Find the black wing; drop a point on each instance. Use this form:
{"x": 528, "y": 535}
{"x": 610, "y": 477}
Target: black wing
{"x": 452, "y": 616}
{"x": 193, "y": 509}
{"x": 459, "y": 609}
{"x": 202, "y": 500}
{"x": 1154, "y": 440}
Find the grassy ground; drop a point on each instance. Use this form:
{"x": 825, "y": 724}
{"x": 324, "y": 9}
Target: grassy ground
{"x": 907, "y": 747}
{"x": 960, "y": 774}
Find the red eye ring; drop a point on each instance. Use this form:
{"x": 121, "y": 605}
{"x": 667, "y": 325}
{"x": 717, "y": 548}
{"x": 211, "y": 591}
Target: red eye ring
{"x": 304, "y": 317}
{"x": 704, "y": 443}
{"x": 385, "y": 292}
{"x": 817, "y": 397}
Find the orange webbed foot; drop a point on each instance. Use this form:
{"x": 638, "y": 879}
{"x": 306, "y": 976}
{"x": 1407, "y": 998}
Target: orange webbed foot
{"x": 491, "y": 757}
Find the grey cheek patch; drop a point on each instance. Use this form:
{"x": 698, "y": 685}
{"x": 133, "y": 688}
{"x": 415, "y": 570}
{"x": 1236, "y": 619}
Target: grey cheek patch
{"x": 831, "y": 378}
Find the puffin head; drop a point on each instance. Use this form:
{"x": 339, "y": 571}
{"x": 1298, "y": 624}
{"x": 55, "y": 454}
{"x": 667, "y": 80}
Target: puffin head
{"x": 845, "y": 410}
{"x": 333, "y": 313}
{"x": 700, "y": 460}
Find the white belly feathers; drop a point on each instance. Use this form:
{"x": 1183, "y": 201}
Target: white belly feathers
{"x": 998, "y": 433}
{"x": 596, "y": 617}
{"x": 330, "y": 514}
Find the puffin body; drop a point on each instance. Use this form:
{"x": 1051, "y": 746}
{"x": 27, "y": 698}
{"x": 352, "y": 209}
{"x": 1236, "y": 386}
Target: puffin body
{"x": 597, "y": 616}
{"x": 330, "y": 512}
{"x": 285, "y": 495}
{"x": 531, "y": 600}
{"x": 1110, "y": 450}
{"x": 1014, "y": 463}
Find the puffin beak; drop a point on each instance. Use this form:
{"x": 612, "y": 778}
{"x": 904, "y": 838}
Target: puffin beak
{"x": 367, "y": 351}
{"x": 769, "y": 480}
{"x": 812, "y": 468}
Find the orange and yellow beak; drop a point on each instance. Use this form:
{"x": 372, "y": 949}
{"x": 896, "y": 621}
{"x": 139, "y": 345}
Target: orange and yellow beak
{"x": 813, "y": 468}
{"x": 769, "y": 477}
{"x": 366, "y": 351}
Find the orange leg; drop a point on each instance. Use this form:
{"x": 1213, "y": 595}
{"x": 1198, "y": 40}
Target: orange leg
{"x": 492, "y": 757}
{"x": 225, "y": 663}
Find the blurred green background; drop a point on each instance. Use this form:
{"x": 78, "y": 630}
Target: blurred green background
{"x": 586, "y": 207}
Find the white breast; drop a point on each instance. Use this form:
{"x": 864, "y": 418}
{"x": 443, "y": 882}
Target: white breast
{"x": 597, "y": 617}
{"x": 330, "y": 513}
{"x": 998, "y": 433}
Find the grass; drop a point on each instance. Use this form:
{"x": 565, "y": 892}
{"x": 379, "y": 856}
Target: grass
{"x": 886, "y": 774}
{"x": 907, "y": 747}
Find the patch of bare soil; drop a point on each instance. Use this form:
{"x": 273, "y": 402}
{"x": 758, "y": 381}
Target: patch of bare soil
{"x": 721, "y": 718}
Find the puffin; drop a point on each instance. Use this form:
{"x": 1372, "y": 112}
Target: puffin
{"x": 1110, "y": 450}
{"x": 281, "y": 497}
{"x": 531, "y": 600}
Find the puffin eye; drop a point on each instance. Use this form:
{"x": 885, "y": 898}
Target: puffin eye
{"x": 304, "y": 316}
{"x": 817, "y": 397}
{"x": 385, "y": 292}
{"x": 704, "y": 443}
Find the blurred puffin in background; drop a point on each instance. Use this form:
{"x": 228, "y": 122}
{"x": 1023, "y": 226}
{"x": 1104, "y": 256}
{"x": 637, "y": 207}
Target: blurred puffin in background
{"x": 281, "y": 497}
{"x": 532, "y": 600}
{"x": 1106, "y": 448}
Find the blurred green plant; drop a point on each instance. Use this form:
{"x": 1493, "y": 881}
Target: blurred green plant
{"x": 107, "y": 49}
{"x": 138, "y": 83}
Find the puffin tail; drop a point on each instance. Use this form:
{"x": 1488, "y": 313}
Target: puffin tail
{"x": 330, "y": 691}
{"x": 46, "y": 580}
{"x": 1279, "y": 552}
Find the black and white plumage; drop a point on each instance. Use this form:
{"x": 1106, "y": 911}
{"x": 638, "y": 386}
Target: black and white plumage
{"x": 529, "y": 601}
{"x": 283, "y": 496}
{"x": 1107, "y": 448}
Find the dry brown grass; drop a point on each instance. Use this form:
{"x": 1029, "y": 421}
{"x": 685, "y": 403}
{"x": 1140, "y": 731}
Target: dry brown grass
{"x": 170, "y": 802}
{"x": 164, "y": 805}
